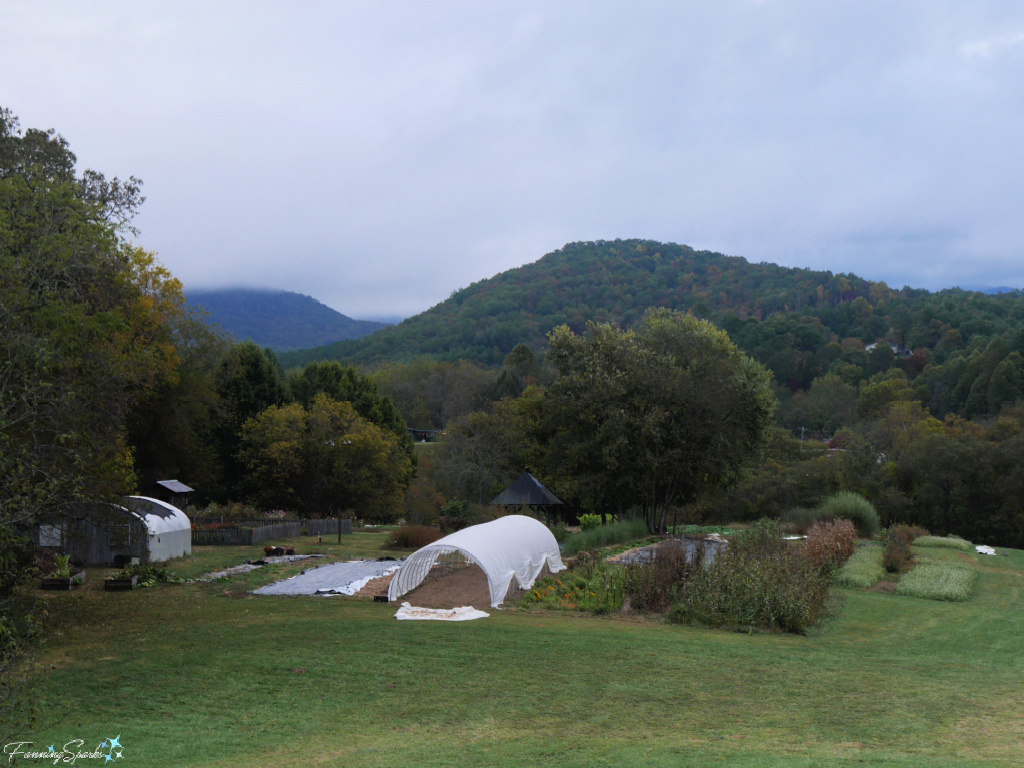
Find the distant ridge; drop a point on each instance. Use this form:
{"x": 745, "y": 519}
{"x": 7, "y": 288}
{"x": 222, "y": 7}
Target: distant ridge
{"x": 602, "y": 281}
{"x": 998, "y": 290}
{"x": 281, "y": 320}
{"x": 791, "y": 319}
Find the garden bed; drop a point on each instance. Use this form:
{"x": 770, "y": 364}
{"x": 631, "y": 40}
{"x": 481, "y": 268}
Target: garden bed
{"x": 120, "y": 584}
{"x": 63, "y": 582}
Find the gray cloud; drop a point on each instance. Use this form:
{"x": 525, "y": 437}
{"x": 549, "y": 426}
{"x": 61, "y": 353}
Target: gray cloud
{"x": 379, "y": 155}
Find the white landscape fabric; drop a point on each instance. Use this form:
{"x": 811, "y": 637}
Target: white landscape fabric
{"x": 332, "y": 579}
{"x": 514, "y": 547}
{"x": 465, "y": 613}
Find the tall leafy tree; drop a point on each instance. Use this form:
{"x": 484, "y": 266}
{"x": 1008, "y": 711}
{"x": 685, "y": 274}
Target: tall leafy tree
{"x": 649, "y": 417}
{"x": 325, "y": 459}
{"x": 75, "y": 355}
{"x": 344, "y": 384}
{"x": 169, "y": 428}
{"x": 248, "y": 381}
{"x": 83, "y": 340}
{"x": 430, "y": 393}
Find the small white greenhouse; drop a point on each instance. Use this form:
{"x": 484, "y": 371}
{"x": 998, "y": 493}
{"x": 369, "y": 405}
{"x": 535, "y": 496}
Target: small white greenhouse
{"x": 514, "y": 547}
{"x": 168, "y": 529}
{"x": 139, "y": 527}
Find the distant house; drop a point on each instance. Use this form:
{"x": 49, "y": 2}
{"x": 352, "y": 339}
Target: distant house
{"x": 894, "y": 347}
{"x": 113, "y": 534}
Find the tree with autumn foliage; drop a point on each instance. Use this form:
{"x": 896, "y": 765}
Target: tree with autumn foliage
{"x": 92, "y": 329}
{"x": 324, "y": 460}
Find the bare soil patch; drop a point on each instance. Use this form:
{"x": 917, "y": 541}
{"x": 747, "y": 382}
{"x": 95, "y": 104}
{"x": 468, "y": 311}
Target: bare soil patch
{"x": 464, "y": 586}
{"x": 376, "y": 587}
{"x": 883, "y": 586}
{"x": 445, "y": 589}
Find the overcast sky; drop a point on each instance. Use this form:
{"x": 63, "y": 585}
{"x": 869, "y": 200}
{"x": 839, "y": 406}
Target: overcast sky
{"x": 379, "y": 155}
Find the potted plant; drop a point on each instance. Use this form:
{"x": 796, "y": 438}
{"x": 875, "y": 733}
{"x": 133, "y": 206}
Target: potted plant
{"x": 62, "y": 576}
{"x": 126, "y": 578}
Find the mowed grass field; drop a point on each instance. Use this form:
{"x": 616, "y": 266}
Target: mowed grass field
{"x": 207, "y": 675}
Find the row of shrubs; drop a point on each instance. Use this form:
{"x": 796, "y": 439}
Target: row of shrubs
{"x": 758, "y": 581}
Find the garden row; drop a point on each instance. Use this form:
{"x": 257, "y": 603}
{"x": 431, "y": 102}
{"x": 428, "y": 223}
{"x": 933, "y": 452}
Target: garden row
{"x": 758, "y": 581}
{"x": 893, "y": 558}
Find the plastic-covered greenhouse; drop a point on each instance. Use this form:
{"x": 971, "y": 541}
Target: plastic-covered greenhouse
{"x": 514, "y": 547}
{"x": 100, "y": 534}
{"x": 168, "y": 530}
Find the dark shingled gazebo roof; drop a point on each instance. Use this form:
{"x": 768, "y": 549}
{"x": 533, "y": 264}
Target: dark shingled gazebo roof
{"x": 526, "y": 490}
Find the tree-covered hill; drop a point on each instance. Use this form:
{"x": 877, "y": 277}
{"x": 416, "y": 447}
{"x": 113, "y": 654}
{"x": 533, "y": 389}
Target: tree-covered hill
{"x": 281, "y": 320}
{"x": 787, "y": 318}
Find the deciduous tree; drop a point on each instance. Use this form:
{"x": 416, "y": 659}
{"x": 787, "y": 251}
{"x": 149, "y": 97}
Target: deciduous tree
{"x": 651, "y": 416}
{"x": 325, "y": 459}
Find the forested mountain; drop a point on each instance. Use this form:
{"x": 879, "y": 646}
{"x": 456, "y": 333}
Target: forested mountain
{"x": 281, "y": 320}
{"x": 768, "y": 308}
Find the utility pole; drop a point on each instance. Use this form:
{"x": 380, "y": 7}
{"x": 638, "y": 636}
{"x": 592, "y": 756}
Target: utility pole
{"x": 338, "y": 518}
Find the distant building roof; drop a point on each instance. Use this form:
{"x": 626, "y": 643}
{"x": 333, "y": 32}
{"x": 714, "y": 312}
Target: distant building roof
{"x": 525, "y": 490}
{"x": 174, "y": 486}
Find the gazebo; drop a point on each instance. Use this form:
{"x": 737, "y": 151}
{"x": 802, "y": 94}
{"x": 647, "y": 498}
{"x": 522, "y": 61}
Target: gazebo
{"x": 527, "y": 491}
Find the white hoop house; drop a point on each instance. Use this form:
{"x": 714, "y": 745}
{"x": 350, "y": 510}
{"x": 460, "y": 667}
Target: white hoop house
{"x": 514, "y": 547}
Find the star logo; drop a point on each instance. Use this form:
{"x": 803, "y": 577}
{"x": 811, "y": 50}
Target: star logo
{"x": 116, "y": 749}
{"x": 51, "y": 749}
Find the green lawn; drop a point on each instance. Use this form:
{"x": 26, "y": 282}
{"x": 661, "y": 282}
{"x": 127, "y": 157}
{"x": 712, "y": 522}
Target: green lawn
{"x": 203, "y": 674}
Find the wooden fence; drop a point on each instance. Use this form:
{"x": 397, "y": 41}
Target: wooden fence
{"x": 239, "y": 522}
{"x": 329, "y": 526}
{"x": 246, "y": 536}
{"x": 260, "y": 531}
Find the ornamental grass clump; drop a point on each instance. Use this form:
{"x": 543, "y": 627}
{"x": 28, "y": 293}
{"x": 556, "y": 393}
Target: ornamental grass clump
{"x": 829, "y": 544}
{"x": 853, "y": 507}
{"x": 945, "y": 580}
{"x": 944, "y": 542}
{"x": 760, "y": 582}
{"x": 605, "y": 535}
{"x": 863, "y": 569}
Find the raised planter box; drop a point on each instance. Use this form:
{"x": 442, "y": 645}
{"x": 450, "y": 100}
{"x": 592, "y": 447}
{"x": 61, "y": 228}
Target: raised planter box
{"x": 120, "y": 585}
{"x": 63, "y": 582}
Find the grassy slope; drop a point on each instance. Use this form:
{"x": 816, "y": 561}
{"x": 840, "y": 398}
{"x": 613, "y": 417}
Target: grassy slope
{"x": 188, "y": 676}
